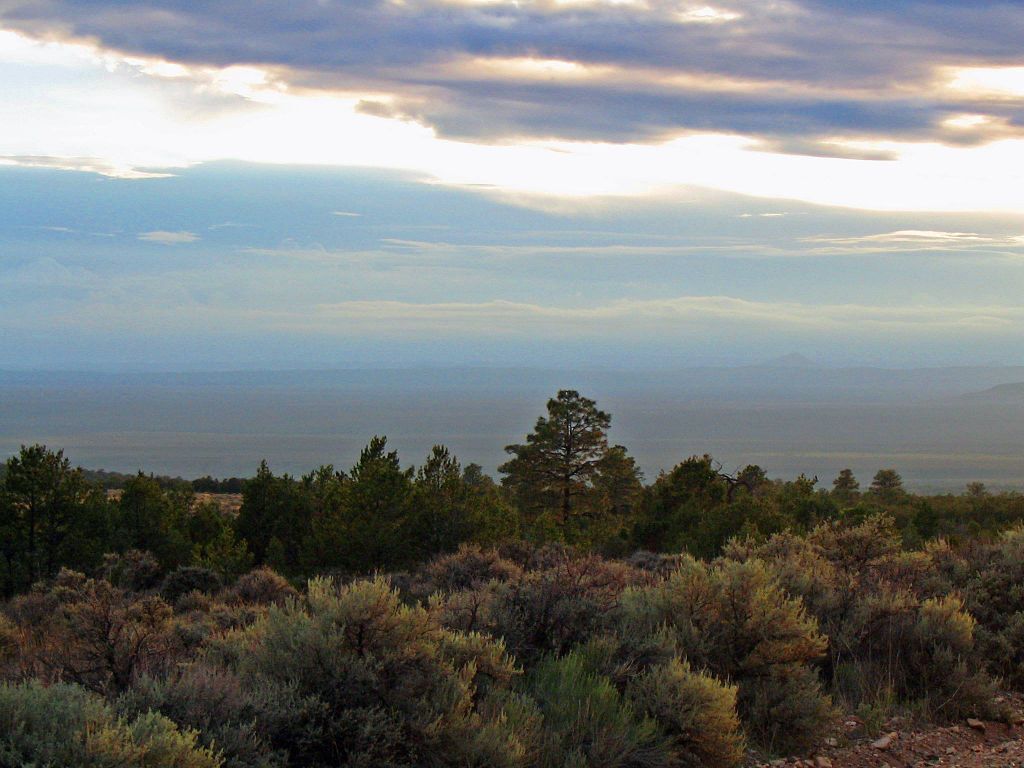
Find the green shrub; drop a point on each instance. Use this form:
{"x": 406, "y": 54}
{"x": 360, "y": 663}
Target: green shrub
{"x": 588, "y": 723}
{"x": 350, "y": 676}
{"x": 185, "y": 579}
{"x": 695, "y": 710}
{"x": 469, "y": 567}
{"x": 736, "y": 620}
{"x": 943, "y": 668}
{"x": 9, "y": 642}
{"x": 262, "y": 586}
{"x": 655, "y": 562}
{"x": 133, "y": 570}
{"x": 214, "y": 704}
{"x": 96, "y": 634}
{"x": 994, "y": 595}
{"x": 194, "y": 602}
{"x": 65, "y": 726}
{"x": 556, "y": 608}
{"x": 891, "y": 637}
{"x": 919, "y": 652}
{"x": 470, "y": 610}
{"x": 784, "y": 709}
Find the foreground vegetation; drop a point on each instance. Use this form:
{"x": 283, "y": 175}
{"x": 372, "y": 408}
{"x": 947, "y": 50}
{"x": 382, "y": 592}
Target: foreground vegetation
{"x": 568, "y": 616}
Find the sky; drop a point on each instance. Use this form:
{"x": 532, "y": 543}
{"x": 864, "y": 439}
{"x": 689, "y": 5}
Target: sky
{"x": 606, "y": 183}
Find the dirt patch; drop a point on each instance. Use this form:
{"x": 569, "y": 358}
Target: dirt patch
{"x": 969, "y": 744}
{"x": 229, "y": 503}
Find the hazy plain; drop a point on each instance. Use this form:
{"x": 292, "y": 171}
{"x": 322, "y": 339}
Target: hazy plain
{"x": 789, "y": 417}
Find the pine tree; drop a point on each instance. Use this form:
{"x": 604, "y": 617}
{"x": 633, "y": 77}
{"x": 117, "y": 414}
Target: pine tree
{"x": 561, "y": 458}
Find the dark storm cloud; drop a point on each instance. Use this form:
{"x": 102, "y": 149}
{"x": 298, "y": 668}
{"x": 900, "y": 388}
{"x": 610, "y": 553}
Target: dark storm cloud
{"x": 793, "y": 74}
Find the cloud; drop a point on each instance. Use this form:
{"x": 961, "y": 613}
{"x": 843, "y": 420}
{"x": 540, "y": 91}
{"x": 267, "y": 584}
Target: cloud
{"x": 169, "y": 238}
{"x": 798, "y": 74}
{"x": 87, "y": 164}
{"x": 919, "y": 240}
{"x": 634, "y": 315}
{"x": 229, "y": 225}
{"x": 681, "y": 318}
{"x": 628, "y": 248}
{"x": 608, "y": 116}
{"x": 921, "y": 237}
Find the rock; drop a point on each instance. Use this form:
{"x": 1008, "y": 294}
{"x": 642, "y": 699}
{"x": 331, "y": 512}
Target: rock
{"x": 950, "y": 750}
{"x": 822, "y": 762}
{"x": 885, "y": 742}
{"x": 976, "y": 724}
{"x": 831, "y": 742}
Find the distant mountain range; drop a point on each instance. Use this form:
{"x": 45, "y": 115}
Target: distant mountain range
{"x": 792, "y": 377}
{"x": 792, "y": 360}
{"x": 1001, "y": 393}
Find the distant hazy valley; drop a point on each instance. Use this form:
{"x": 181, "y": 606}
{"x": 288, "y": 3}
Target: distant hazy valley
{"x": 941, "y": 427}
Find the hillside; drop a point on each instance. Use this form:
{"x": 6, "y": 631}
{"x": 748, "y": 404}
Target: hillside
{"x": 1001, "y": 393}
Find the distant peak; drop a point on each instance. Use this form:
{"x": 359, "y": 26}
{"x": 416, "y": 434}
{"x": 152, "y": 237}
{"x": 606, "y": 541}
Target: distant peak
{"x": 792, "y": 360}
{"x": 1012, "y": 392}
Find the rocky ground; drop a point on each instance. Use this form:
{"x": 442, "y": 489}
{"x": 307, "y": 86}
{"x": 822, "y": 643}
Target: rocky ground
{"x": 969, "y": 744}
